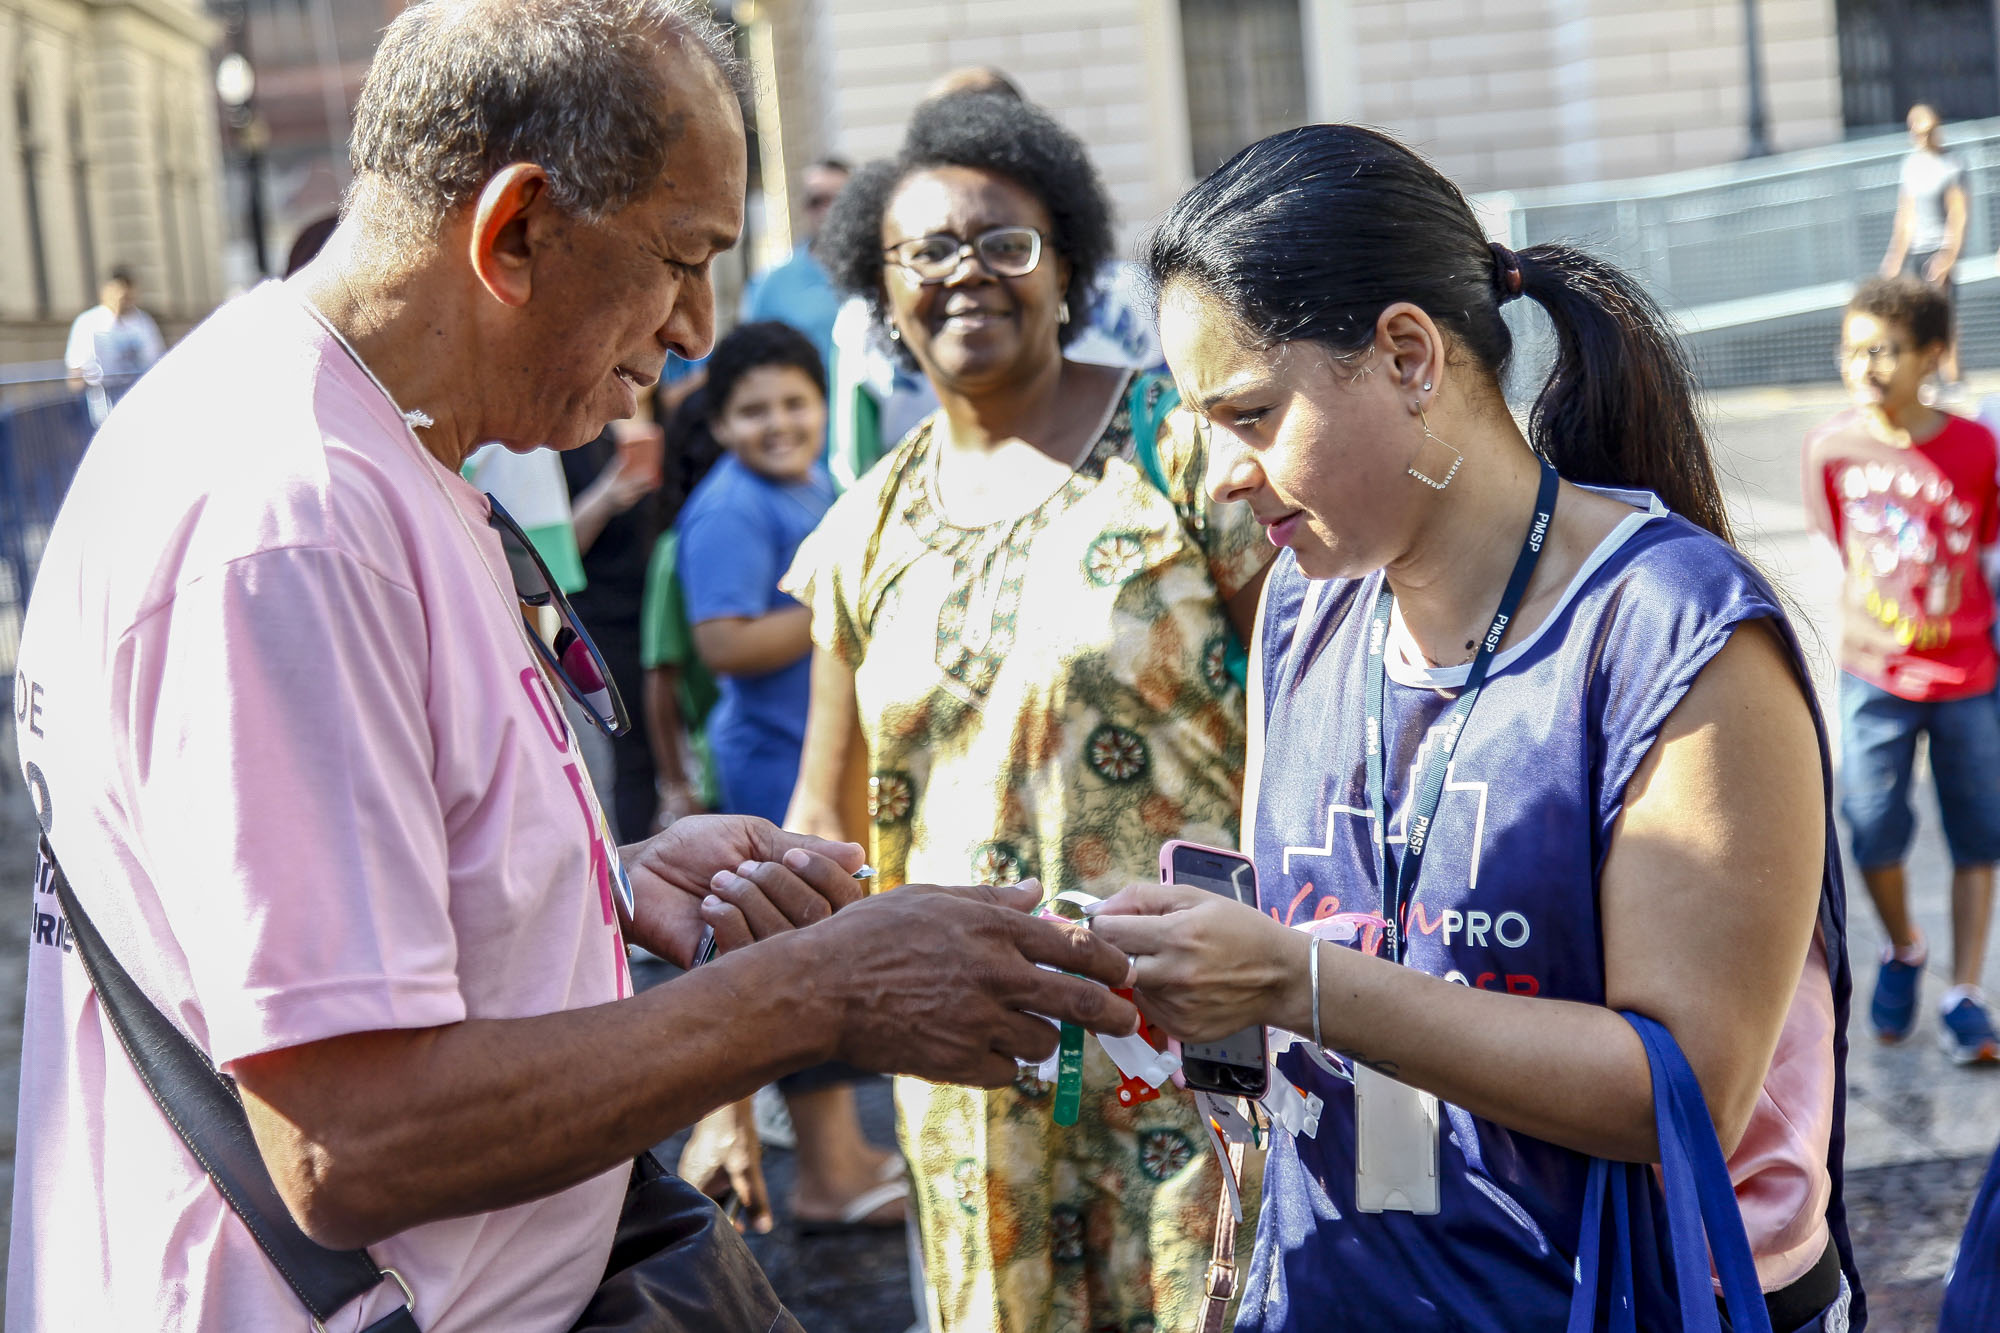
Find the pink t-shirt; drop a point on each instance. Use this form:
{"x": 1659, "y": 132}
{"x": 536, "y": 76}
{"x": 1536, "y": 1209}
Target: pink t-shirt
{"x": 291, "y": 745}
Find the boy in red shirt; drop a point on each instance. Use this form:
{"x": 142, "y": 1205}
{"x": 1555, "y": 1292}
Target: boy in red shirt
{"x": 1907, "y": 494}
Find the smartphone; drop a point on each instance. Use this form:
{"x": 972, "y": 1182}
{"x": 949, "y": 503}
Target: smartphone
{"x": 1238, "y": 1065}
{"x": 704, "y": 950}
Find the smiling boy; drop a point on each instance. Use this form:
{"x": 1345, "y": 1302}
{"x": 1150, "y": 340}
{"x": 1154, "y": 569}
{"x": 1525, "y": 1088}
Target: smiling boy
{"x": 1906, "y": 493}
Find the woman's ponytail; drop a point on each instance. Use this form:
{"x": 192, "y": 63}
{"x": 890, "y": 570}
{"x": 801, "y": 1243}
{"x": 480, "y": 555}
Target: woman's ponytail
{"x": 1618, "y": 408}
{"x": 1309, "y": 235}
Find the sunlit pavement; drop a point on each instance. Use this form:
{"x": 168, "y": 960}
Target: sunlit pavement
{"x": 1919, "y": 1129}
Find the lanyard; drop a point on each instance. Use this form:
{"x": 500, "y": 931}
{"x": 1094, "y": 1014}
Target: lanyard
{"x": 1399, "y": 887}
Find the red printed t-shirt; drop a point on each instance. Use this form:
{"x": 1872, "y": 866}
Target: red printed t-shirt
{"x": 286, "y": 734}
{"x": 1909, "y": 522}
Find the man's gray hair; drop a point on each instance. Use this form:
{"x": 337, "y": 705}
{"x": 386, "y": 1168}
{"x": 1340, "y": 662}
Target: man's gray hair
{"x": 460, "y": 89}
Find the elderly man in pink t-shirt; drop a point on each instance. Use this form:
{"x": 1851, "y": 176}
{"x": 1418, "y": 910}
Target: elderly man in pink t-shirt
{"x": 307, "y": 776}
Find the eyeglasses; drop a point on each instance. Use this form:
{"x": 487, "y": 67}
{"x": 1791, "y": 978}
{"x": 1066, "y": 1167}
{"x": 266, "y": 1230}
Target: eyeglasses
{"x": 1005, "y": 252}
{"x": 1885, "y": 355}
{"x": 572, "y": 657}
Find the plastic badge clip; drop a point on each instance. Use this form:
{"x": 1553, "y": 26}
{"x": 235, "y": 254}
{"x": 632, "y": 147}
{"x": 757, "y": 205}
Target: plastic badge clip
{"x": 1296, "y": 1112}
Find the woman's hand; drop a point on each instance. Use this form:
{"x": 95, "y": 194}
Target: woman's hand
{"x": 1205, "y": 965}
{"x": 746, "y": 877}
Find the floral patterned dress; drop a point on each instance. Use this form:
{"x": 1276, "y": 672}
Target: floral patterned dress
{"x": 1046, "y": 697}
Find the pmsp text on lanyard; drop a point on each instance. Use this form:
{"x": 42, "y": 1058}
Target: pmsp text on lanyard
{"x": 1399, "y": 886}
{"x": 1395, "y": 1125}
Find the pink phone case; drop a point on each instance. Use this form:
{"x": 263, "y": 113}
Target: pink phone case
{"x": 1167, "y": 851}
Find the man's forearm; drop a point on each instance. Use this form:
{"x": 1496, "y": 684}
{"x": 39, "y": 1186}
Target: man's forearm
{"x": 372, "y": 1134}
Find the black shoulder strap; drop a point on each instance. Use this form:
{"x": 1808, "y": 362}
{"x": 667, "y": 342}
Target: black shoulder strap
{"x": 203, "y": 1107}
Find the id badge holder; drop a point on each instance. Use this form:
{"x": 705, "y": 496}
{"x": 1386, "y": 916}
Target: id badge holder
{"x": 1396, "y": 1146}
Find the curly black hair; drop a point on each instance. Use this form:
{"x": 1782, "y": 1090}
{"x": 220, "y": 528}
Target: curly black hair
{"x": 1922, "y": 309}
{"x": 988, "y": 132}
{"x": 749, "y": 347}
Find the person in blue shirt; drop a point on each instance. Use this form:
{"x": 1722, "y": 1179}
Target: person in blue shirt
{"x": 738, "y": 534}
{"x": 798, "y": 292}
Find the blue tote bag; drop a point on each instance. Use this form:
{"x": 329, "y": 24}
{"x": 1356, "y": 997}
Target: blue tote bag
{"x": 1972, "y": 1297}
{"x": 1702, "y": 1218}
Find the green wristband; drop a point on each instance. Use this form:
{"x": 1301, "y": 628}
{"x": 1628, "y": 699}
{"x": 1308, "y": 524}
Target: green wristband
{"x": 1069, "y": 1076}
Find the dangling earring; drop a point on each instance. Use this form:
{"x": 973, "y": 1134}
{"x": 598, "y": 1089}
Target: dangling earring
{"x": 1062, "y": 313}
{"x": 1429, "y": 439}
{"x": 895, "y": 334}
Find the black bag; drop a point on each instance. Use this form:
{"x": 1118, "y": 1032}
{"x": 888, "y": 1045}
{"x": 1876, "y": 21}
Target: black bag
{"x": 676, "y": 1265}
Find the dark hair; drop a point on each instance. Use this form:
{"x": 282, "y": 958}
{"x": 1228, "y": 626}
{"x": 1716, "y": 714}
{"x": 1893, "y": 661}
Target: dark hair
{"x": 751, "y": 347}
{"x": 120, "y": 273}
{"x": 986, "y": 132}
{"x": 312, "y": 239}
{"x": 691, "y": 451}
{"x": 1923, "y": 310}
{"x": 1311, "y": 234}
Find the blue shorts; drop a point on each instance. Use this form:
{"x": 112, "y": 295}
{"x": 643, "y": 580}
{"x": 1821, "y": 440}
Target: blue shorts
{"x": 1878, "y": 749}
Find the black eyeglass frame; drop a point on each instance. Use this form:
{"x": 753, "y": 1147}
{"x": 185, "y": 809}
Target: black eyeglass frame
{"x": 893, "y": 254}
{"x": 620, "y": 722}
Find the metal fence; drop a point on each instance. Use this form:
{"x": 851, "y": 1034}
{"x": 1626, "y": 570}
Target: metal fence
{"x": 43, "y": 433}
{"x": 1756, "y": 259}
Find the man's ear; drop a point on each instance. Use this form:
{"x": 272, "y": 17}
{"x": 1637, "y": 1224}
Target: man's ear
{"x": 505, "y": 231}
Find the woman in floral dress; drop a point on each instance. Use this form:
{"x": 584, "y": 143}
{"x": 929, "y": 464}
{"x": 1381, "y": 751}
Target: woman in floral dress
{"x": 1023, "y": 619}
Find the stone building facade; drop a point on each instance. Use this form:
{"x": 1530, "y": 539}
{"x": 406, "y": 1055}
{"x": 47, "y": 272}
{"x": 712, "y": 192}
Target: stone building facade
{"x": 109, "y": 154}
{"x": 1502, "y": 94}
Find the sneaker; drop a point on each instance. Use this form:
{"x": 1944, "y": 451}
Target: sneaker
{"x": 1893, "y": 1011}
{"x": 1965, "y": 1030}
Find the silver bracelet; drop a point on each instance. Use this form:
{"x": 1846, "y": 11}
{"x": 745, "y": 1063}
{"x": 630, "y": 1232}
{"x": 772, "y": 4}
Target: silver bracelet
{"x": 1312, "y": 972}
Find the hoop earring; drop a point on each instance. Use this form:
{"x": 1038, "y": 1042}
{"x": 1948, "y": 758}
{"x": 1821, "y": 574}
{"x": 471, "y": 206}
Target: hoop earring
{"x": 1062, "y": 313}
{"x": 1457, "y": 458}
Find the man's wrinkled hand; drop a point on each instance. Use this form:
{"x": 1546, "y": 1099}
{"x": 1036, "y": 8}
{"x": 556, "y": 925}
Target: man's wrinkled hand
{"x": 744, "y": 877}
{"x": 945, "y": 983}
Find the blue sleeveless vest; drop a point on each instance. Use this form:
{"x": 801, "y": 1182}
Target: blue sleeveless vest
{"x": 1508, "y": 902}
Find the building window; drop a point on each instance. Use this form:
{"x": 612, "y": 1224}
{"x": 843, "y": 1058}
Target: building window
{"x": 1246, "y": 74}
{"x": 31, "y": 182}
{"x": 79, "y": 170}
{"x": 167, "y": 187}
{"x": 1896, "y": 53}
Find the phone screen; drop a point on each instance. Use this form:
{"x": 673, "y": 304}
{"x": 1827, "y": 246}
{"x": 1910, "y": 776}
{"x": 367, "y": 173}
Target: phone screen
{"x": 1236, "y": 1063}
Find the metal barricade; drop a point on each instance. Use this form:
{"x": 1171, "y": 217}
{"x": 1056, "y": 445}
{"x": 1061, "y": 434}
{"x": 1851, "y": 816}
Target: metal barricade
{"x": 1755, "y": 259}
{"x": 42, "y": 440}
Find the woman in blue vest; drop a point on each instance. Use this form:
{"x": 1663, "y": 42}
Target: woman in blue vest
{"x": 1595, "y": 757}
